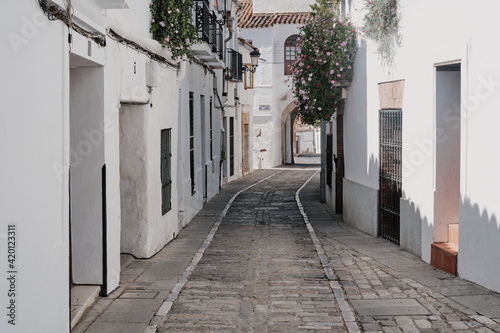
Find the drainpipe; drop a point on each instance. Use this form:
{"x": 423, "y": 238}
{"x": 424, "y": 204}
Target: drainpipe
{"x": 230, "y": 21}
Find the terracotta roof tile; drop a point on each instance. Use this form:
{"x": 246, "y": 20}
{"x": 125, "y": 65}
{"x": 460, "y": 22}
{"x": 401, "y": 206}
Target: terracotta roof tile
{"x": 247, "y": 19}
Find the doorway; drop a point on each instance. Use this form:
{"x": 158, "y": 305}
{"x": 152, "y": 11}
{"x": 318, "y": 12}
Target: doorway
{"x": 246, "y": 156}
{"x": 447, "y": 166}
{"x": 86, "y": 175}
{"x": 390, "y": 177}
{"x": 444, "y": 250}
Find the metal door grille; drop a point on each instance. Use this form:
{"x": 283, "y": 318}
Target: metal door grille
{"x": 329, "y": 159}
{"x": 390, "y": 173}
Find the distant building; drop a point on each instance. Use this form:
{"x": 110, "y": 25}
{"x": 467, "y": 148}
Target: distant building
{"x": 273, "y": 27}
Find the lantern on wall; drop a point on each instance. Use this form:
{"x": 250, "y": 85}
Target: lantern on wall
{"x": 223, "y": 6}
{"x": 254, "y": 60}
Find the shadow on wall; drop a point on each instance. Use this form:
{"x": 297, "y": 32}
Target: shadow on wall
{"x": 479, "y": 245}
{"x": 411, "y": 222}
{"x": 479, "y": 240}
{"x": 360, "y": 192}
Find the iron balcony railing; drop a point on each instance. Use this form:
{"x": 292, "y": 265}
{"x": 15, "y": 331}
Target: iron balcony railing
{"x": 216, "y": 35}
{"x": 209, "y": 27}
{"x": 234, "y": 62}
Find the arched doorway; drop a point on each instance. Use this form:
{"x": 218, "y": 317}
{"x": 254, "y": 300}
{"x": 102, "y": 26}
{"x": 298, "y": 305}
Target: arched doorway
{"x": 288, "y": 117}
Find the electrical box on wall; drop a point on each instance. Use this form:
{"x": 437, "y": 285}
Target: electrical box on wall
{"x": 152, "y": 74}
{"x": 134, "y": 88}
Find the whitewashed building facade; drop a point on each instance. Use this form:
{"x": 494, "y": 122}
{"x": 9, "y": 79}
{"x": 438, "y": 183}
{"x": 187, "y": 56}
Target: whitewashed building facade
{"x": 436, "y": 109}
{"x": 113, "y": 147}
{"x": 272, "y": 27}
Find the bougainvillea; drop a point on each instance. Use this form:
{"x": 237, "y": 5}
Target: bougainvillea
{"x": 324, "y": 62}
{"x": 382, "y": 25}
{"x": 172, "y": 26}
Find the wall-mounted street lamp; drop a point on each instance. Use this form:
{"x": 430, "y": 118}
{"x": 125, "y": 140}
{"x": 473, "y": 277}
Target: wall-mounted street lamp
{"x": 224, "y": 7}
{"x": 254, "y": 59}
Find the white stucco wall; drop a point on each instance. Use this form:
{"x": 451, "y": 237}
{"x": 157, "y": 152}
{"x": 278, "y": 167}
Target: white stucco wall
{"x": 200, "y": 84}
{"x": 306, "y": 142}
{"x": 272, "y": 93}
{"x": 145, "y": 229}
{"x": 34, "y": 196}
{"x": 455, "y": 38}
{"x": 263, "y": 6}
{"x": 479, "y": 225}
{"x": 103, "y": 135}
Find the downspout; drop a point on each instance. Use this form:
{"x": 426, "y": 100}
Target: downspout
{"x": 230, "y": 21}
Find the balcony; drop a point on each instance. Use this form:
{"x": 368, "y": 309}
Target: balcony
{"x": 234, "y": 66}
{"x": 210, "y": 32}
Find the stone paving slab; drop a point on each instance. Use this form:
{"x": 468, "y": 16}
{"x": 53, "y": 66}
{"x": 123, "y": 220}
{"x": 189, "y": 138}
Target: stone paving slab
{"x": 487, "y": 305}
{"x": 389, "y": 307}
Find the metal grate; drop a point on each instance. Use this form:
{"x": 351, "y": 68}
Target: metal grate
{"x": 235, "y": 65}
{"x": 202, "y": 19}
{"x": 191, "y": 140}
{"x": 210, "y": 28}
{"x": 166, "y": 171}
{"x": 390, "y": 180}
{"x": 216, "y": 35}
{"x": 329, "y": 159}
{"x": 231, "y": 146}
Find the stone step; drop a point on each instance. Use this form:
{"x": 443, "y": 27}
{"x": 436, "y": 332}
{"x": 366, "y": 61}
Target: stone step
{"x": 444, "y": 257}
{"x": 82, "y": 298}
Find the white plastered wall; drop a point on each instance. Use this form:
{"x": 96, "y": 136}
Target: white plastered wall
{"x": 34, "y": 141}
{"x": 272, "y": 93}
{"x": 455, "y": 38}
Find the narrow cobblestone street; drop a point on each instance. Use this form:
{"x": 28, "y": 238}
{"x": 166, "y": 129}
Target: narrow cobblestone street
{"x": 261, "y": 272}
{"x": 261, "y": 259}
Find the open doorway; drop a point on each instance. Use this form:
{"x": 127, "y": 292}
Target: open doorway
{"x": 444, "y": 251}
{"x": 87, "y": 184}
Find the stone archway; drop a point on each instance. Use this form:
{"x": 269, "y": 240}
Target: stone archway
{"x": 288, "y": 116}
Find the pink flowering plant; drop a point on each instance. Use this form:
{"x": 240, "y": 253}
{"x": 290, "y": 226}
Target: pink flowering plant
{"x": 324, "y": 62}
{"x": 172, "y": 26}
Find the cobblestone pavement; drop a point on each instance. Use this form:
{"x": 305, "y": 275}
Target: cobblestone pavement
{"x": 395, "y": 291}
{"x": 261, "y": 272}
{"x": 266, "y": 262}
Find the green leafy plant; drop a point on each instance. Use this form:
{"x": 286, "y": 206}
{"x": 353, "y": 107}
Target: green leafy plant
{"x": 324, "y": 62}
{"x": 172, "y": 26}
{"x": 382, "y": 25}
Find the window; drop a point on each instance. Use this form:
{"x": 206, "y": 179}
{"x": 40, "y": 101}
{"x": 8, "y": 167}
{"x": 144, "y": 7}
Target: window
{"x": 231, "y": 146}
{"x": 191, "y": 140}
{"x": 166, "y": 171}
{"x": 291, "y": 45}
{"x": 235, "y": 65}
